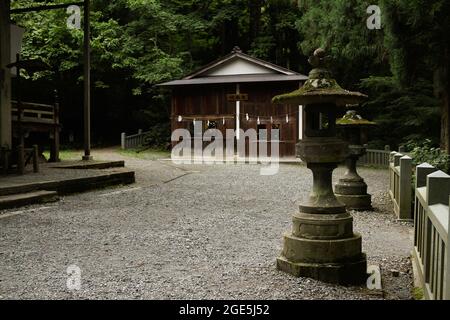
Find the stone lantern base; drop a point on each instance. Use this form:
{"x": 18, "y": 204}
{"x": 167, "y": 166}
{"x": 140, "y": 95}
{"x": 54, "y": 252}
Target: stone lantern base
{"x": 324, "y": 247}
{"x": 347, "y": 273}
{"x": 351, "y": 188}
{"x": 353, "y": 194}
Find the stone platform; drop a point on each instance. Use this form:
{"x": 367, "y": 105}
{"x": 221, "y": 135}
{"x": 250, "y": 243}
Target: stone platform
{"x": 61, "y": 178}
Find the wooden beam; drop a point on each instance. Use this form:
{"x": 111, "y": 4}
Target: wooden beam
{"x": 45, "y": 7}
{"x": 5, "y": 75}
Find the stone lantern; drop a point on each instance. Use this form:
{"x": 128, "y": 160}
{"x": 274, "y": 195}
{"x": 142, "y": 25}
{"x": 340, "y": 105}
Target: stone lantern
{"x": 351, "y": 188}
{"x": 322, "y": 244}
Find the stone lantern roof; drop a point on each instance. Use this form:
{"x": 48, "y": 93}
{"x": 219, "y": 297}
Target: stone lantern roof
{"x": 320, "y": 87}
{"x": 352, "y": 119}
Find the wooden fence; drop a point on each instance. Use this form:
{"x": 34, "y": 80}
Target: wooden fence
{"x": 400, "y": 188}
{"x": 374, "y": 157}
{"x": 133, "y": 141}
{"x": 431, "y": 238}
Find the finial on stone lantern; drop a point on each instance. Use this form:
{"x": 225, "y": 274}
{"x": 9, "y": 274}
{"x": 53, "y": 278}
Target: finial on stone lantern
{"x": 320, "y": 87}
{"x": 319, "y": 59}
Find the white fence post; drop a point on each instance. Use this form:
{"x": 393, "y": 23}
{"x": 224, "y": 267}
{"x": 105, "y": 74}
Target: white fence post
{"x": 122, "y": 140}
{"x": 405, "y": 188}
{"x": 438, "y": 188}
{"x": 446, "y": 293}
{"x": 431, "y": 251}
{"x": 422, "y": 171}
{"x": 400, "y": 188}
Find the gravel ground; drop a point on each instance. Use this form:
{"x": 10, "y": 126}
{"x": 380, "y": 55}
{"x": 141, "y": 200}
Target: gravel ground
{"x": 192, "y": 232}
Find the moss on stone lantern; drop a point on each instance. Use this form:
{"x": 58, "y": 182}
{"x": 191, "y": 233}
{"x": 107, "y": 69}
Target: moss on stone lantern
{"x": 322, "y": 244}
{"x": 351, "y": 188}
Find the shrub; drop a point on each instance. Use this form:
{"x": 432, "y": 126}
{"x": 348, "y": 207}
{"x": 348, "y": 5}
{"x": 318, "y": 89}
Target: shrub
{"x": 426, "y": 152}
{"x": 158, "y": 136}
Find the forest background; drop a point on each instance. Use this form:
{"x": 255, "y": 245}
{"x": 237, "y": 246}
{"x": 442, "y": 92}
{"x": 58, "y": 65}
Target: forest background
{"x": 403, "y": 67}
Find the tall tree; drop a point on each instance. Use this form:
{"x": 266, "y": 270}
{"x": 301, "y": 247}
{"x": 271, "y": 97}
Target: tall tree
{"x": 417, "y": 37}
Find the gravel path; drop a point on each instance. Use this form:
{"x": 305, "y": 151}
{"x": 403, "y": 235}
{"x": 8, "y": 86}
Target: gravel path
{"x": 192, "y": 232}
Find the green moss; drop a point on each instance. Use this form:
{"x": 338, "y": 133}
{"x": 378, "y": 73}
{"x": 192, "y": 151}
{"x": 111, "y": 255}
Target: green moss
{"x": 417, "y": 293}
{"x": 351, "y": 118}
{"x": 317, "y": 88}
{"x": 66, "y": 154}
{"x": 344, "y": 122}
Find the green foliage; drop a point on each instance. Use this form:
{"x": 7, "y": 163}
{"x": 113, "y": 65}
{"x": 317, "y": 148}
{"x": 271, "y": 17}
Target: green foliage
{"x": 401, "y": 114}
{"x": 158, "y": 136}
{"x": 339, "y": 27}
{"x": 416, "y": 36}
{"x": 425, "y": 151}
{"x": 138, "y": 43}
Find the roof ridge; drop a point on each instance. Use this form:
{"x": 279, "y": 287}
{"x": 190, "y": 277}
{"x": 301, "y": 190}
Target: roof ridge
{"x": 238, "y": 53}
{"x": 236, "y": 79}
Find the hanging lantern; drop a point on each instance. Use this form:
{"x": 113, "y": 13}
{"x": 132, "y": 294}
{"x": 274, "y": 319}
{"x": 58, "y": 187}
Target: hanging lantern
{"x": 193, "y": 122}
{"x": 223, "y": 120}
{"x": 257, "y": 121}
{"x": 180, "y": 118}
{"x": 246, "y": 116}
{"x": 287, "y": 118}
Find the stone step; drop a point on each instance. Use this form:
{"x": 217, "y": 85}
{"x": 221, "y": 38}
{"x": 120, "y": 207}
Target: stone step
{"x": 81, "y": 164}
{"x": 23, "y": 199}
{"x": 73, "y": 185}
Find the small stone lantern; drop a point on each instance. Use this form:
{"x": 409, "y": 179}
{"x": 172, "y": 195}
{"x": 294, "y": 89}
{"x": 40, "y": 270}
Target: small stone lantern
{"x": 351, "y": 189}
{"x": 322, "y": 244}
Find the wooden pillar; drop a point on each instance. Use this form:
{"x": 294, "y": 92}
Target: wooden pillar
{"x": 54, "y": 149}
{"x": 87, "y": 82}
{"x": 21, "y": 159}
{"x": 238, "y": 108}
{"x": 301, "y": 123}
{"x": 35, "y": 158}
{"x": 5, "y": 76}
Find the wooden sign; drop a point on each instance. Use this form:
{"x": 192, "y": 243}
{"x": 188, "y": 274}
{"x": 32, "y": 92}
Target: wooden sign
{"x": 237, "y": 97}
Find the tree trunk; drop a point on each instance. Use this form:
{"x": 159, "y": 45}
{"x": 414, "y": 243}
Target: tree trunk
{"x": 5, "y": 77}
{"x": 442, "y": 92}
{"x": 255, "y": 19}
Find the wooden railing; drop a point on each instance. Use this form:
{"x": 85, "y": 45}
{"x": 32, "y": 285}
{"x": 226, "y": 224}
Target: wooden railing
{"x": 134, "y": 140}
{"x": 37, "y": 117}
{"x": 379, "y": 158}
{"x": 431, "y": 252}
{"x": 35, "y": 112}
{"x": 400, "y": 188}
